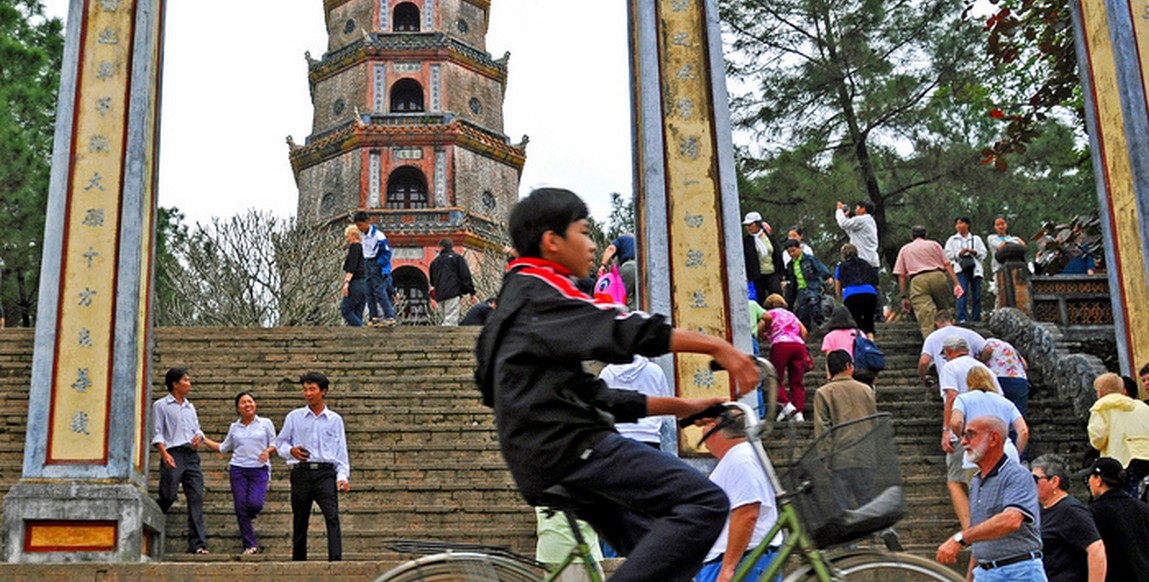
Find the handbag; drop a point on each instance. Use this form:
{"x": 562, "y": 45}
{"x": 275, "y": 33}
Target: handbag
{"x": 967, "y": 262}
{"x": 867, "y": 356}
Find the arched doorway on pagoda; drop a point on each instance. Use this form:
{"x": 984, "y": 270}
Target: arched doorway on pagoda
{"x": 413, "y": 291}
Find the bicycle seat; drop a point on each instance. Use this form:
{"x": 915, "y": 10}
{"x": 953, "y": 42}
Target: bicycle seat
{"x": 558, "y": 497}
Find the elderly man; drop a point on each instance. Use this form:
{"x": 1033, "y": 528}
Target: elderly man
{"x": 1005, "y": 528}
{"x": 1072, "y": 548}
{"x": 1119, "y": 428}
{"x": 862, "y": 229}
{"x": 752, "y": 505}
{"x": 1122, "y": 521}
{"x": 922, "y": 264}
{"x": 932, "y": 353}
{"x": 952, "y": 380}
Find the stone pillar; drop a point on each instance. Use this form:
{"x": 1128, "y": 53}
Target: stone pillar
{"x": 83, "y": 494}
{"x": 689, "y": 231}
{"x": 1112, "y": 38}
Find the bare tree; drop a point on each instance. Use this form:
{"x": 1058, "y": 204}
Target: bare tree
{"x": 253, "y": 270}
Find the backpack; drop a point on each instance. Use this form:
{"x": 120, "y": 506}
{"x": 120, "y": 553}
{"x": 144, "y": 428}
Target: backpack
{"x": 609, "y": 287}
{"x": 867, "y": 356}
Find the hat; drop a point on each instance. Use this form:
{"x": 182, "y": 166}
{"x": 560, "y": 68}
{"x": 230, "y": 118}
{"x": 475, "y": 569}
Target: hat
{"x": 751, "y": 218}
{"x": 955, "y": 342}
{"x": 1109, "y": 469}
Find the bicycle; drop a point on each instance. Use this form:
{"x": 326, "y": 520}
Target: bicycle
{"x": 812, "y": 516}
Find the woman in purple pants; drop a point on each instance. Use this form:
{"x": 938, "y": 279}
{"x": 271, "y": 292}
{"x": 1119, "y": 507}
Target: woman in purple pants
{"x": 249, "y": 441}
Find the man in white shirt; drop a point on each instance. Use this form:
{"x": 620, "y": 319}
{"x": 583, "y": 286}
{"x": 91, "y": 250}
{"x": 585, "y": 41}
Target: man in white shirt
{"x": 862, "y": 230}
{"x": 932, "y": 352}
{"x": 177, "y": 436}
{"x": 753, "y": 510}
{"x": 314, "y": 444}
{"x": 966, "y": 253}
{"x": 374, "y": 241}
{"x": 952, "y": 380}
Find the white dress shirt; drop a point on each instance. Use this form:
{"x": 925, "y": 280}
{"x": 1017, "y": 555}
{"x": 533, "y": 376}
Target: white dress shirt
{"x": 321, "y": 434}
{"x": 176, "y": 423}
{"x": 247, "y": 442}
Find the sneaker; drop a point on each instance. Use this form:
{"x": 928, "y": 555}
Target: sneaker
{"x": 787, "y": 412}
{"x": 797, "y": 417}
{"x": 390, "y": 322}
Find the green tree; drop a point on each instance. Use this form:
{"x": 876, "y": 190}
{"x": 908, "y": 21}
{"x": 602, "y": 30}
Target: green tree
{"x": 31, "y": 50}
{"x": 621, "y": 217}
{"x": 884, "y": 100}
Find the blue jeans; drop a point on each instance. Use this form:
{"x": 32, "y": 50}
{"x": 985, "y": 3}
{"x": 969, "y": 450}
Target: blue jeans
{"x": 709, "y": 572}
{"x": 352, "y": 306}
{"x": 659, "y": 512}
{"x": 971, "y": 292}
{"x": 1027, "y": 571}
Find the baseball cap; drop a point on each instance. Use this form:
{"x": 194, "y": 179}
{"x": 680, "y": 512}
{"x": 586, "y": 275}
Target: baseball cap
{"x": 1109, "y": 469}
{"x": 751, "y": 217}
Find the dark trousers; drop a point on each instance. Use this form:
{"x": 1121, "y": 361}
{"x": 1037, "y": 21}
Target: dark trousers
{"x": 318, "y": 486}
{"x": 248, "y": 489}
{"x": 765, "y": 285}
{"x": 862, "y": 307}
{"x": 352, "y": 306}
{"x": 187, "y": 473}
{"x": 807, "y": 307}
{"x": 1137, "y": 470}
{"x": 660, "y": 513}
{"x": 378, "y": 297}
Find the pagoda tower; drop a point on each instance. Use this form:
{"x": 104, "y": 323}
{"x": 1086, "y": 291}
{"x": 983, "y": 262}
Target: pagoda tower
{"x": 408, "y": 126}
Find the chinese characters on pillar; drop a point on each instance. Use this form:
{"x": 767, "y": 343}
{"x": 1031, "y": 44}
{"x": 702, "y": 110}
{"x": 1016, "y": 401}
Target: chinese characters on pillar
{"x": 81, "y": 384}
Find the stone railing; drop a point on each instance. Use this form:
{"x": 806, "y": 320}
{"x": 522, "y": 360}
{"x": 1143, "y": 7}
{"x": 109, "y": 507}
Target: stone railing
{"x": 1069, "y": 374}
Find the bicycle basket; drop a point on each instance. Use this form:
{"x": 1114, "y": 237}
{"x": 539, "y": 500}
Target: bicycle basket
{"x": 848, "y": 483}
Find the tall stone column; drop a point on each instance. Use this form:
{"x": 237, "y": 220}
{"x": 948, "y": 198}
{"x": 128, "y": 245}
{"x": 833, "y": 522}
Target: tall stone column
{"x": 689, "y": 231}
{"x": 83, "y": 494}
{"x": 1113, "y": 57}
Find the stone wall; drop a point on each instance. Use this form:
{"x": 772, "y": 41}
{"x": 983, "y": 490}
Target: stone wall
{"x": 474, "y": 174}
{"x": 335, "y": 98}
{"x": 463, "y": 85}
{"x": 330, "y": 187}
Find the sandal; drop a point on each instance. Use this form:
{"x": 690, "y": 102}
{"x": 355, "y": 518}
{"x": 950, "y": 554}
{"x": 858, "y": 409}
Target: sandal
{"x": 202, "y": 551}
{"x": 251, "y": 551}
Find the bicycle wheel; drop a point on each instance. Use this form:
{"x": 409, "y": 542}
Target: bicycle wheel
{"x": 463, "y": 567}
{"x": 876, "y": 566}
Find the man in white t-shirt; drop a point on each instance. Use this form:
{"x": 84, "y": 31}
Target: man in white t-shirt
{"x": 753, "y": 510}
{"x": 952, "y": 381}
{"x": 932, "y": 352}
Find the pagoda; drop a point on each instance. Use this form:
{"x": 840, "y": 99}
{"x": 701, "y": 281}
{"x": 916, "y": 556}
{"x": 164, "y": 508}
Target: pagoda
{"x": 408, "y": 125}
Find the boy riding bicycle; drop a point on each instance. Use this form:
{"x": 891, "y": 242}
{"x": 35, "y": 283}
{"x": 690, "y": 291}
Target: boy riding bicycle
{"x": 555, "y": 420}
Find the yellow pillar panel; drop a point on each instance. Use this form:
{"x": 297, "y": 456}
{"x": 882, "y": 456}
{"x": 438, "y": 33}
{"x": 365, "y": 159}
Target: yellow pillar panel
{"x": 81, "y": 384}
{"x": 1125, "y": 225}
{"x": 698, "y": 283}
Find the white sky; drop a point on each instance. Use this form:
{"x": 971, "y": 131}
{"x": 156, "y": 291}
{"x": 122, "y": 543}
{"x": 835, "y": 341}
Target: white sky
{"x": 235, "y": 87}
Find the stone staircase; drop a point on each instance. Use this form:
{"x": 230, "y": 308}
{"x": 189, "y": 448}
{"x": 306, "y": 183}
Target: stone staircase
{"x": 425, "y": 461}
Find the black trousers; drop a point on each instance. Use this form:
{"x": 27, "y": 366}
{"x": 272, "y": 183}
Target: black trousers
{"x": 318, "y": 486}
{"x": 186, "y": 472}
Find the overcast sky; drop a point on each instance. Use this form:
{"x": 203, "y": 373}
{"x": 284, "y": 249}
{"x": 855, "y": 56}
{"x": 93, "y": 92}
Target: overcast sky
{"x": 235, "y": 87}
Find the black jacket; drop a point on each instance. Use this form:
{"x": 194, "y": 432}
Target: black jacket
{"x": 1123, "y": 523}
{"x": 450, "y": 276}
{"x": 750, "y": 256}
{"x": 548, "y": 409}
{"x": 857, "y": 272}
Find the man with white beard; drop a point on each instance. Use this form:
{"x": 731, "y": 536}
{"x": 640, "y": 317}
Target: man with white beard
{"x": 1007, "y": 544}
